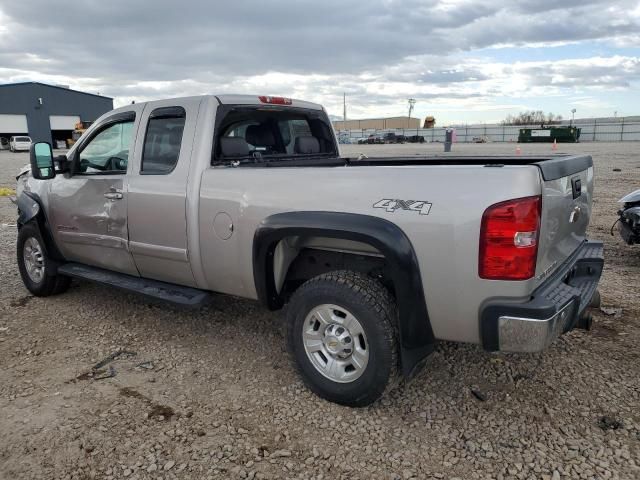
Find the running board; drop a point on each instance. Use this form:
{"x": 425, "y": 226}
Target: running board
{"x": 186, "y": 296}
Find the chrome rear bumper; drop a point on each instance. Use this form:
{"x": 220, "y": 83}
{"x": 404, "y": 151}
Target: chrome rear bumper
{"x": 518, "y": 334}
{"x": 554, "y": 307}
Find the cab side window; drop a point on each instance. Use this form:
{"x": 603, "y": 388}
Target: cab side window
{"x": 108, "y": 151}
{"x": 162, "y": 141}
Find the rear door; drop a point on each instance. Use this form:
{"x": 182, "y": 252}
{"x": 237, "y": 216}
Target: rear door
{"x": 566, "y": 211}
{"x": 158, "y": 190}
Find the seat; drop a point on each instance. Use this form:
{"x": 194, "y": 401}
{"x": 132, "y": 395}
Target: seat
{"x": 174, "y": 143}
{"x": 234, "y": 147}
{"x": 323, "y": 133}
{"x": 306, "y": 145}
{"x": 261, "y": 136}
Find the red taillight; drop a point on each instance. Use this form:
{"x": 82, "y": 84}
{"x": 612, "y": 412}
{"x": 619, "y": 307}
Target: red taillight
{"x": 509, "y": 239}
{"x": 275, "y": 100}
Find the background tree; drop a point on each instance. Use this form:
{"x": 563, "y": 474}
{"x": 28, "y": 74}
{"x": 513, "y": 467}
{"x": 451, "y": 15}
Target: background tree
{"x": 532, "y": 117}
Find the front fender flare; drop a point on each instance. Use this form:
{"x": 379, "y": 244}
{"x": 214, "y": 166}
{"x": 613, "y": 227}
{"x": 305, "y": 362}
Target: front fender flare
{"x": 415, "y": 332}
{"x": 28, "y": 208}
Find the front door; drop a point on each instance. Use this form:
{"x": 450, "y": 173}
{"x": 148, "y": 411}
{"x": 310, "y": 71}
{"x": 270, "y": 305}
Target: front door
{"x": 89, "y": 204}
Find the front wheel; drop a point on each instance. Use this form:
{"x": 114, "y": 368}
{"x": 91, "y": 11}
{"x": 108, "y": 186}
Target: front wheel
{"x": 341, "y": 335}
{"x": 35, "y": 266}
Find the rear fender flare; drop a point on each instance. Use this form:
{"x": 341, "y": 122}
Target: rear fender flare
{"x": 414, "y": 327}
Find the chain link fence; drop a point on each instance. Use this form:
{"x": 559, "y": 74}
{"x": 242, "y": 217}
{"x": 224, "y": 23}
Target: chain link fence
{"x": 590, "y": 132}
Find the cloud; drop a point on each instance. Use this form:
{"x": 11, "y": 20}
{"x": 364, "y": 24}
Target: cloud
{"x": 379, "y": 52}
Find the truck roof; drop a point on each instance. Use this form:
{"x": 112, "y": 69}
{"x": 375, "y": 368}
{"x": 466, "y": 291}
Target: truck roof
{"x": 260, "y": 100}
{"x": 239, "y": 99}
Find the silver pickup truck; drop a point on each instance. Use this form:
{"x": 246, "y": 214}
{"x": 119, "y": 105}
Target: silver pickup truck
{"x": 375, "y": 259}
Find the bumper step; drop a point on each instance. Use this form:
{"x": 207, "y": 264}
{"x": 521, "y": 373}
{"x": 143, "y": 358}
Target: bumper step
{"x": 554, "y": 308}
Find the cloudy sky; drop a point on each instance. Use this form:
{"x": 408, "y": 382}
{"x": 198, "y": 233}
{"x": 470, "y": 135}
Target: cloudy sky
{"x": 463, "y": 60}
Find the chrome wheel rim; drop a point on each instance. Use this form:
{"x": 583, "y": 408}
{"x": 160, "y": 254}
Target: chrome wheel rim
{"x": 33, "y": 259}
{"x": 335, "y": 343}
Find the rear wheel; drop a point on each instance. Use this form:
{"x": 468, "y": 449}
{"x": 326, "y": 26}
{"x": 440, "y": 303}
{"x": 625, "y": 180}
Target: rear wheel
{"x": 340, "y": 332}
{"x": 35, "y": 266}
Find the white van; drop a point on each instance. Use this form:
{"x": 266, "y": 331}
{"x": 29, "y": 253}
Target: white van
{"x": 19, "y": 143}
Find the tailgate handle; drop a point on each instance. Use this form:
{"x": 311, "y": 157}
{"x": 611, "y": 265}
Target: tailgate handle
{"x": 576, "y": 187}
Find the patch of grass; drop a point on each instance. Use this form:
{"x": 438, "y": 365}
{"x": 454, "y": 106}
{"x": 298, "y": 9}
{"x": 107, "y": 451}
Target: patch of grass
{"x": 5, "y": 192}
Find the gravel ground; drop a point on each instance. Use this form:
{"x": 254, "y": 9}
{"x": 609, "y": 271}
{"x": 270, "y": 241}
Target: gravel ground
{"x": 211, "y": 394}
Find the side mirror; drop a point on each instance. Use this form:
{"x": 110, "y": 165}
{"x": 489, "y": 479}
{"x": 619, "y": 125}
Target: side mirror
{"x": 41, "y": 156}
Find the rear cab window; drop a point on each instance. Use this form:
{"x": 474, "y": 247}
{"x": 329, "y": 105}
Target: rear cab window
{"x": 162, "y": 141}
{"x": 268, "y": 133}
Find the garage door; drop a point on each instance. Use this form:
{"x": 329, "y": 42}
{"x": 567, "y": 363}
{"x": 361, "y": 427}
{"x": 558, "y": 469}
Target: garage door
{"x": 63, "y": 122}
{"x": 13, "y": 124}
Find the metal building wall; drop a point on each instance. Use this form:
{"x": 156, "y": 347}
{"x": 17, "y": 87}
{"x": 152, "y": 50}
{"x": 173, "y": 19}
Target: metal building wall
{"x": 22, "y": 98}
{"x": 377, "y": 123}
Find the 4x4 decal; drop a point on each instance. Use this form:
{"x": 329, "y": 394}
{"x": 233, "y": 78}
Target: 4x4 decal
{"x": 391, "y": 205}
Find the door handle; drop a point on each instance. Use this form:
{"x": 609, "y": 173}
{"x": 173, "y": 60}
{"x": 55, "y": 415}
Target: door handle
{"x": 113, "y": 194}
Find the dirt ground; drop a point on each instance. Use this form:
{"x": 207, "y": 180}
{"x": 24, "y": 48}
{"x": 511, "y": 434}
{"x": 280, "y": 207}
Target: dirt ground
{"x": 211, "y": 393}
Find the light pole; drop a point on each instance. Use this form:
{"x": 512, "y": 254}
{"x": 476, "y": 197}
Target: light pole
{"x": 412, "y": 102}
{"x": 573, "y": 113}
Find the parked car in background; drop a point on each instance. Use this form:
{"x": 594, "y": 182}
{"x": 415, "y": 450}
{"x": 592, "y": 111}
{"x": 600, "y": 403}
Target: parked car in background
{"x": 344, "y": 138}
{"x": 19, "y": 143}
{"x": 391, "y": 137}
{"x": 415, "y": 139}
{"x": 375, "y": 138}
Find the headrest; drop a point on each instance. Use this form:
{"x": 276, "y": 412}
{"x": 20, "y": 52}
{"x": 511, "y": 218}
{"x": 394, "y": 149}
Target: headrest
{"x": 307, "y": 144}
{"x": 234, "y": 147}
{"x": 318, "y": 128}
{"x": 260, "y": 136}
{"x": 175, "y": 136}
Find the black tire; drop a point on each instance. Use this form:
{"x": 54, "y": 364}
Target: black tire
{"x": 375, "y": 310}
{"x": 48, "y": 284}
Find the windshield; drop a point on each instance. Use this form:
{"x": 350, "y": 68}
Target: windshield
{"x": 258, "y": 132}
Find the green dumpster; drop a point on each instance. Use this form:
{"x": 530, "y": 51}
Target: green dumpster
{"x": 563, "y": 134}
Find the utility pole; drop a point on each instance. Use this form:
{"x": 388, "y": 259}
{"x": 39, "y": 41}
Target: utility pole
{"x": 344, "y": 109}
{"x": 412, "y": 102}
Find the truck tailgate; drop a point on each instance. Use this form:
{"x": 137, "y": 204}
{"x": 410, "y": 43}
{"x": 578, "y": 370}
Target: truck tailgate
{"x": 567, "y": 192}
